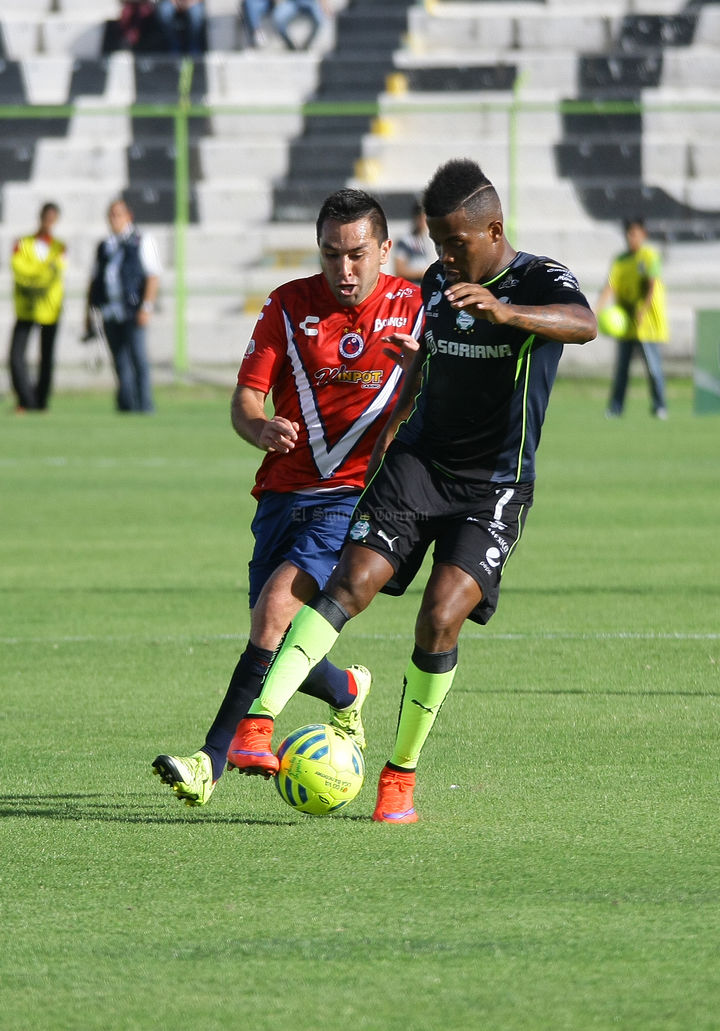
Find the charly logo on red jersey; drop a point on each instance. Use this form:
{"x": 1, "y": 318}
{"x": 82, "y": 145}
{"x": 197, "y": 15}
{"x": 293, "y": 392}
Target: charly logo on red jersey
{"x": 351, "y": 345}
{"x": 308, "y": 325}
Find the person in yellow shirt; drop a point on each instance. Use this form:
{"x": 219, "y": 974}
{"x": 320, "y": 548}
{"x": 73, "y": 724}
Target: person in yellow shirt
{"x": 38, "y": 267}
{"x": 635, "y": 285}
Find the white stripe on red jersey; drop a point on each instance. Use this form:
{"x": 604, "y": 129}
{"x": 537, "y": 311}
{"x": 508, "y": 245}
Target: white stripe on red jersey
{"x": 325, "y": 366}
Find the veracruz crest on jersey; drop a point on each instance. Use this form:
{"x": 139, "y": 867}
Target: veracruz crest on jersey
{"x": 351, "y": 345}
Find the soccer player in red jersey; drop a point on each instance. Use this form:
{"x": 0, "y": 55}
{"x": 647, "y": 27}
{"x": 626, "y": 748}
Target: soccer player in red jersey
{"x": 318, "y": 349}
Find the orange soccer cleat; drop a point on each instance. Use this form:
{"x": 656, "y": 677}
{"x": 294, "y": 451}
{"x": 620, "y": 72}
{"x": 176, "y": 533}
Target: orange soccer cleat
{"x": 250, "y": 750}
{"x": 395, "y": 797}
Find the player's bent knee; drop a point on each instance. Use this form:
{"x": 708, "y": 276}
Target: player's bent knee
{"x": 353, "y": 589}
{"x": 438, "y": 626}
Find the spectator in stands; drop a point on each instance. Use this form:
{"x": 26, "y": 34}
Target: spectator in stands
{"x": 286, "y": 12}
{"x": 635, "y": 285}
{"x": 135, "y": 26}
{"x": 38, "y": 267}
{"x": 252, "y": 14}
{"x": 415, "y": 251}
{"x": 183, "y": 25}
{"x": 123, "y": 288}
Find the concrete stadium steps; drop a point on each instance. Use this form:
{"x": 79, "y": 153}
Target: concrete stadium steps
{"x": 452, "y": 30}
{"x": 237, "y": 201}
{"x": 57, "y": 161}
{"x": 89, "y": 125}
{"x": 16, "y": 159}
{"x": 407, "y": 162}
{"x": 244, "y": 202}
{"x": 30, "y": 8}
{"x": 248, "y": 157}
{"x": 709, "y": 24}
{"x": 259, "y": 76}
{"x": 704, "y": 158}
{"x": 553, "y": 71}
{"x": 83, "y": 204}
{"x": 77, "y": 36}
{"x": 36, "y": 27}
{"x": 441, "y": 116}
{"x": 690, "y": 69}
{"x": 12, "y": 84}
{"x": 263, "y": 122}
{"x": 82, "y": 8}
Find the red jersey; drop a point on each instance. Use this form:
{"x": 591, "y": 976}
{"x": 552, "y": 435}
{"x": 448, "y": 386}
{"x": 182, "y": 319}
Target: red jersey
{"x": 325, "y": 366}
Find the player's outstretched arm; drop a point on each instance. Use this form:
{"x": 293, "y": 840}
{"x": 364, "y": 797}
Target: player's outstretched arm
{"x": 566, "y": 323}
{"x": 251, "y": 422}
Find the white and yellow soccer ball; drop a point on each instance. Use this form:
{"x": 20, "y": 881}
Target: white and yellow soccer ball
{"x": 321, "y": 769}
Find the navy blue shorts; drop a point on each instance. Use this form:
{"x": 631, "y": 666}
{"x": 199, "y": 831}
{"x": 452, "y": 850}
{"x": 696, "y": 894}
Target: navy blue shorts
{"x": 307, "y": 530}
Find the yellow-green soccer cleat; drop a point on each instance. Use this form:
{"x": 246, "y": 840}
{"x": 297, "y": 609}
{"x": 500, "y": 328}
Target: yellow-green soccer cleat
{"x": 190, "y": 776}
{"x": 350, "y": 719}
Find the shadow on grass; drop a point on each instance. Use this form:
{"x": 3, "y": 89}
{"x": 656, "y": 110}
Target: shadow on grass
{"x": 74, "y": 808}
{"x": 79, "y": 807}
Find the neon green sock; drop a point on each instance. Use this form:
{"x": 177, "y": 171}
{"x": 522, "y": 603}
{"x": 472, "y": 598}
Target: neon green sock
{"x": 309, "y": 639}
{"x": 423, "y": 695}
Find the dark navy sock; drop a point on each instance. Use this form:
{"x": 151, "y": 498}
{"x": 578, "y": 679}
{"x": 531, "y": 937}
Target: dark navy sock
{"x": 335, "y": 686}
{"x": 245, "y": 685}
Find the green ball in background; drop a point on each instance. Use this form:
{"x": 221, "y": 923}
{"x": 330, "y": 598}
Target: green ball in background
{"x": 614, "y": 321}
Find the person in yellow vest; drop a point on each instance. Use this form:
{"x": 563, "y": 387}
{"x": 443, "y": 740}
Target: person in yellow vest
{"x": 38, "y": 267}
{"x": 635, "y": 285}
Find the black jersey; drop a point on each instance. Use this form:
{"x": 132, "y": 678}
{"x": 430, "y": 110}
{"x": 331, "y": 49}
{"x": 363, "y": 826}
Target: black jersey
{"x": 485, "y": 387}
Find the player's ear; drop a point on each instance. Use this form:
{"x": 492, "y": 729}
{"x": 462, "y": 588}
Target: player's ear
{"x": 385, "y": 248}
{"x": 495, "y": 230}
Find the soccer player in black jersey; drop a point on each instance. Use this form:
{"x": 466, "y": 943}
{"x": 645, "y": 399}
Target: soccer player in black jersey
{"x": 454, "y": 468}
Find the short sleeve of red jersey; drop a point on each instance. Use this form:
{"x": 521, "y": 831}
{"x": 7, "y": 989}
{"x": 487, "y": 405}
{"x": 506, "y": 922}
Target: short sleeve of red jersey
{"x": 267, "y": 349}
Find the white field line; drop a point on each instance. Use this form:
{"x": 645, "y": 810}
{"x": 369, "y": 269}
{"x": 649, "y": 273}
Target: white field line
{"x": 209, "y": 638}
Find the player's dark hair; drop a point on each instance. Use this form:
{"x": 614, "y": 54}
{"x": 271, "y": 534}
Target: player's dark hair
{"x": 50, "y": 206}
{"x": 460, "y": 183}
{"x": 350, "y": 205}
{"x": 630, "y": 222}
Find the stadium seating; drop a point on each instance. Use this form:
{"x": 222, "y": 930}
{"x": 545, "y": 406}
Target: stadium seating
{"x": 432, "y": 81}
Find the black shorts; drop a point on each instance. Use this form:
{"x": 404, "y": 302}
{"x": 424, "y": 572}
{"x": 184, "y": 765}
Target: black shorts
{"x": 409, "y": 504}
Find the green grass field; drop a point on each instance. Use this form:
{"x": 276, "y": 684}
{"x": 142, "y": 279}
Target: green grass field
{"x": 566, "y": 870}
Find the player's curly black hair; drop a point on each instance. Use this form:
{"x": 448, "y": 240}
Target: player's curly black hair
{"x": 350, "y": 205}
{"x": 459, "y": 183}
